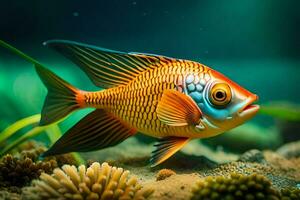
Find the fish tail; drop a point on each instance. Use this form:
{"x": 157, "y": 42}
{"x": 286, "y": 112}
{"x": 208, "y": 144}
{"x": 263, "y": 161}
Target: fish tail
{"x": 62, "y": 98}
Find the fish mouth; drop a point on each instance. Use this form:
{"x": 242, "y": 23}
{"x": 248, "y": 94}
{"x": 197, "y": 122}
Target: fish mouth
{"x": 250, "y": 109}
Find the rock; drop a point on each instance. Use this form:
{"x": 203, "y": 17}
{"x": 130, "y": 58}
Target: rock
{"x": 218, "y": 155}
{"x": 286, "y": 167}
{"x": 290, "y": 150}
{"x": 253, "y": 155}
{"x": 245, "y": 137}
{"x": 164, "y": 173}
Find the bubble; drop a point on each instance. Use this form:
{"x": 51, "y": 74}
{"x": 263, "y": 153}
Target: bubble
{"x": 75, "y": 14}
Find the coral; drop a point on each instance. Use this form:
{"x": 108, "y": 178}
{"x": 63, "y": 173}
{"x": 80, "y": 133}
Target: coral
{"x": 29, "y": 146}
{"x": 20, "y": 170}
{"x": 290, "y": 194}
{"x": 12, "y": 189}
{"x": 24, "y": 165}
{"x": 34, "y": 149}
{"x": 164, "y": 173}
{"x": 95, "y": 182}
{"x": 286, "y": 176}
{"x": 237, "y": 167}
{"x": 8, "y": 195}
{"x": 63, "y": 159}
{"x": 5, "y": 195}
{"x": 235, "y": 187}
{"x": 33, "y": 153}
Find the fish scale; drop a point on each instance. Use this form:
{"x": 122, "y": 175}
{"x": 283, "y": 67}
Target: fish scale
{"x": 136, "y": 102}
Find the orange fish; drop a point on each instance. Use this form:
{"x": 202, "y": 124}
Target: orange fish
{"x": 172, "y": 99}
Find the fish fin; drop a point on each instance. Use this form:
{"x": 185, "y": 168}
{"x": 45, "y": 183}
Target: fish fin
{"x": 165, "y": 148}
{"x": 178, "y": 109}
{"x": 97, "y": 130}
{"x": 107, "y": 68}
{"x": 62, "y": 98}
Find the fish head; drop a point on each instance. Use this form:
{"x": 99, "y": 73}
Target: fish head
{"x": 224, "y": 103}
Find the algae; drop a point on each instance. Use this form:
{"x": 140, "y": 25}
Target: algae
{"x": 235, "y": 187}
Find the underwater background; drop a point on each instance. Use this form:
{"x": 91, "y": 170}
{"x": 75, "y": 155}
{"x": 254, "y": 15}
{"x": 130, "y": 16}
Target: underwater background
{"x": 255, "y": 43}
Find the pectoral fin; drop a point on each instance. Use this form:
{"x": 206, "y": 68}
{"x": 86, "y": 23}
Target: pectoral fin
{"x": 178, "y": 109}
{"x": 165, "y": 148}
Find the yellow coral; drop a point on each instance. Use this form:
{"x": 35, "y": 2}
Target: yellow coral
{"x": 96, "y": 182}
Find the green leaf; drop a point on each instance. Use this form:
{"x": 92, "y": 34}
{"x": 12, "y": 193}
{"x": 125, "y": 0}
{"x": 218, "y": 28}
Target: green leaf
{"x": 29, "y": 134}
{"x": 53, "y": 133}
{"x": 18, "y": 52}
{"x": 281, "y": 110}
{"x": 9, "y": 131}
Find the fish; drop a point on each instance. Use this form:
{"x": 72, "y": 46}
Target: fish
{"x": 173, "y": 100}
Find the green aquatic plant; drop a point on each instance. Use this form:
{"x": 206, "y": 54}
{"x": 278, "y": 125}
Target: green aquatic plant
{"x": 95, "y": 182}
{"x": 53, "y": 132}
{"x": 3, "y": 125}
{"x": 235, "y": 187}
{"x": 9, "y": 131}
{"x": 281, "y": 110}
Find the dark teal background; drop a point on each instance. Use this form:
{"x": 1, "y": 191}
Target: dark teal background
{"x": 206, "y": 29}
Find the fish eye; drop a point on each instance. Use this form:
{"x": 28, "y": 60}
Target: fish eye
{"x": 220, "y": 94}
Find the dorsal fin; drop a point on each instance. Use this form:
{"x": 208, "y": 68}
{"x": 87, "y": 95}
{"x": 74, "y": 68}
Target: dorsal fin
{"x": 107, "y": 68}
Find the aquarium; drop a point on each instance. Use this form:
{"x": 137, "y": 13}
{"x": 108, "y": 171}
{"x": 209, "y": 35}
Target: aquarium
{"x": 150, "y": 100}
